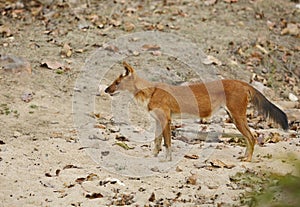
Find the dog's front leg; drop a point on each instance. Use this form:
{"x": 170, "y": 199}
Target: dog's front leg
{"x": 156, "y": 114}
{"x": 162, "y": 130}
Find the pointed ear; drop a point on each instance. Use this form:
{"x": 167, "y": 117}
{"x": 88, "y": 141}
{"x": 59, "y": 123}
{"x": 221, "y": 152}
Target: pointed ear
{"x": 129, "y": 69}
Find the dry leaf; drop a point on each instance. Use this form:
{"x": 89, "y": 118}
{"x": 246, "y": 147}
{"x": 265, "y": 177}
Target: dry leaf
{"x": 262, "y": 49}
{"x": 94, "y": 196}
{"x": 96, "y": 115}
{"x": 111, "y": 48}
{"x": 111, "y": 181}
{"x": 128, "y": 26}
{"x": 53, "y": 65}
{"x": 79, "y": 50}
{"x": 70, "y": 166}
{"x": 115, "y": 23}
{"x": 150, "y": 47}
{"x": 56, "y": 135}
{"x": 273, "y": 138}
{"x": 123, "y": 199}
{"x": 92, "y": 176}
{"x": 66, "y": 50}
{"x": 48, "y": 175}
{"x": 80, "y": 180}
{"x": 160, "y": 27}
{"x": 57, "y": 172}
{"x": 100, "y": 126}
{"x": 152, "y": 197}
{"x": 220, "y": 164}
{"x": 68, "y": 185}
{"x": 271, "y": 25}
{"x": 122, "y": 138}
{"x": 291, "y": 29}
{"x": 124, "y": 145}
{"x": 194, "y": 157}
{"x": 5, "y": 31}
{"x": 35, "y": 11}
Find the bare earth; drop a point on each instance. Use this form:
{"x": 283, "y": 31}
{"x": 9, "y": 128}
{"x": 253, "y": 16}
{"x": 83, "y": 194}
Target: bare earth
{"x": 47, "y": 48}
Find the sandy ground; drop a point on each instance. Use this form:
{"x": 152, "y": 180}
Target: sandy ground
{"x": 60, "y": 135}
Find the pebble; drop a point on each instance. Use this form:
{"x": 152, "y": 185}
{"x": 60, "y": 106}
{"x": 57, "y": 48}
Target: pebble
{"x": 17, "y": 134}
{"x": 114, "y": 129}
{"x": 292, "y": 97}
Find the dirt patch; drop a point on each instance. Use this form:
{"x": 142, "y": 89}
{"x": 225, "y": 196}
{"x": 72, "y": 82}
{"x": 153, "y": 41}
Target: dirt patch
{"x": 46, "y": 47}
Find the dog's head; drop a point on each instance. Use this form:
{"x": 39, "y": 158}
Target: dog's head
{"x": 125, "y": 81}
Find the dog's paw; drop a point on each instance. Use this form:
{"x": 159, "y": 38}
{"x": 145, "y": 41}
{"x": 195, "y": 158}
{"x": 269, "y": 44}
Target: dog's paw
{"x": 156, "y": 151}
{"x": 168, "y": 156}
{"x": 245, "y": 158}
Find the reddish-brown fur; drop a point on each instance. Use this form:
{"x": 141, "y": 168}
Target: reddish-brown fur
{"x": 200, "y": 99}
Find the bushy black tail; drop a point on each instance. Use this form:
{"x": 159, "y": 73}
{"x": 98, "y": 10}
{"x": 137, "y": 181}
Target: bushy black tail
{"x": 268, "y": 109}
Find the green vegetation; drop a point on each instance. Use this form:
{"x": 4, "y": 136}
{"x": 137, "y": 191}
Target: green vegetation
{"x": 269, "y": 189}
{"x": 6, "y": 110}
{"x": 33, "y": 106}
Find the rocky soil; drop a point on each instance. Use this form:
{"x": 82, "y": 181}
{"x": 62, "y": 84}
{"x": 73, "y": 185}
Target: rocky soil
{"x": 48, "y": 48}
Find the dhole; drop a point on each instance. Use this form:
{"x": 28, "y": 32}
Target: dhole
{"x": 200, "y": 99}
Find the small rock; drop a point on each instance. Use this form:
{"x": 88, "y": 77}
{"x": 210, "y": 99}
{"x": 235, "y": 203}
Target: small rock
{"x": 105, "y": 153}
{"x": 192, "y": 180}
{"x": 135, "y": 53}
{"x": 292, "y": 97}
{"x": 114, "y": 129}
{"x": 155, "y": 169}
{"x": 83, "y": 25}
{"x": 178, "y": 169}
{"x": 156, "y": 53}
{"x": 17, "y": 134}
{"x": 27, "y": 96}
{"x": 209, "y": 60}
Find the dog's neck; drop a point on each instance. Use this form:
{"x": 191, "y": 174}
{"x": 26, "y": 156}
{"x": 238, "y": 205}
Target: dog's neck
{"x": 144, "y": 90}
